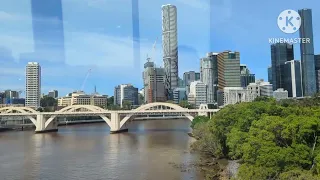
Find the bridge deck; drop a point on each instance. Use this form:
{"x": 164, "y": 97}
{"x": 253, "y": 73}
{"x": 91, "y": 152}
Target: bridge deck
{"x": 130, "y": 112}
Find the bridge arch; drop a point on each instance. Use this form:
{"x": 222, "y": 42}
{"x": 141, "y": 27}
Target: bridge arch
{"x": 74, "y": 108}
{"x": 24, "y": 110}
{"x": 152, "y": 105}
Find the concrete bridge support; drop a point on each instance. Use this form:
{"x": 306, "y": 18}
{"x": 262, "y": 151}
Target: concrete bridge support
{"x": 41, "y": 124}
{"x": 115, "y": 124}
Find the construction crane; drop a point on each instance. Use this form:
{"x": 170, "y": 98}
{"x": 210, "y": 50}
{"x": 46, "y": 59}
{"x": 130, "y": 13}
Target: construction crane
{"x": 85, "y": 80}
{"x": 154, "y": 50}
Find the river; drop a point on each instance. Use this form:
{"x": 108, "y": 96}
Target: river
{"x": 151, "y": 150}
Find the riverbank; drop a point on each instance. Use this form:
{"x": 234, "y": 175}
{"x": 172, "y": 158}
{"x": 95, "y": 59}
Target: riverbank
{"x": 213, "y": 168}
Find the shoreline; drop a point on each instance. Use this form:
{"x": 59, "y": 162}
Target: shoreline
{"x": 216, "y": 168}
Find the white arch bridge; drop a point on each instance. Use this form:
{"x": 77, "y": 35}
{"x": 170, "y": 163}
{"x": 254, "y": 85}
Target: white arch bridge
{"x": 47, "y": 121}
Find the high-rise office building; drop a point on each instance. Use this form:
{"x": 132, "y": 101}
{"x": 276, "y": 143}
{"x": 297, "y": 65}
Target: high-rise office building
{"x": 170, "y": 47}
{"x": 125, "y": 92}
{"x": 189, "y": 77}
{"x": 317, "y": 68}
{"x": 33, "y": 85}
{"x": 48, "y": 31}
{"x": 208, "y": 74}
{"x": 53, "y": 94}
{"x": 179, "y": 94}
{"x": 245, "y": 76}
{"x": 198, "y": 93}
{"x": 154, "y": 83}
{"x": 307, "y": 53}
{"x": 293, "y": 78}
{"x": 280, "y": 53}
{"x": 228, "y": 69}
{"x": 270, "y": 74}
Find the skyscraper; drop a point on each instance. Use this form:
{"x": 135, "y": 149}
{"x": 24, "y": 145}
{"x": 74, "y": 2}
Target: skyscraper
{"x": 48, "y": 32}
{"x": 188, "y": 78}
{"x": 280, "y": 53}
{"x": 228, "y": 69}
{"x": 154, "y": 83}
{"x": 208, "y": 74}
{"x": 307, "y": 53}
{"x": 33, "y": 84}
{"x": 245, "y": 77}
{"x": 170, "y": 47}
{"x": 270, "y": 74}
{"x": 292, "y": 78}
{"x": 125, "y": 92}
{"x": 317, "y": 68}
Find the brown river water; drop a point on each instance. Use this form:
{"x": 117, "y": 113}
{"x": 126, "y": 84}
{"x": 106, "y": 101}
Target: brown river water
{"x": 151, "y": 150}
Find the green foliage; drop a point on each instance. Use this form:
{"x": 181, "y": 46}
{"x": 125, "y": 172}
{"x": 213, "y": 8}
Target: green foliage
{"x": 126, "y": 105}
{"x": 185, "y": 104}
{"x": 273, "y": 140}
{"x": 47, "y": 101}
{"x": 199, "y": 119}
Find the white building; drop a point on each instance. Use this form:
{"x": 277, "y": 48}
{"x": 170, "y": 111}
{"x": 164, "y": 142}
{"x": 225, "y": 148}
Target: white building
{"x": 170, "y": 45}
{"x": 33, "y": 85}
{"x": 80, "y": 98}
{"x": 280, "y": 94}
{"x": 233, "y": 95}
{"x": 198, "y": 93}
{"x": 266, "y": 89}
{"x": 253, "y": 91}
{"x": 259, "y": 88}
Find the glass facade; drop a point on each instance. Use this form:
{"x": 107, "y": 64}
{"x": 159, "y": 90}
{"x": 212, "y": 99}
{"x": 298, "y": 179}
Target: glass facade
{"x": 246, "y": 79}
{"x": 280, "y": 53}
{"x": 307, "y": 53}
{"x": 270, "y": 74}
{"x": 292, "y": 78}
{"x": 317, "y": 67}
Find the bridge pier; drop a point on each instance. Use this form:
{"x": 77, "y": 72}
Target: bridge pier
{"x": 41, "y": 124}
{"x": 115, "y": 124}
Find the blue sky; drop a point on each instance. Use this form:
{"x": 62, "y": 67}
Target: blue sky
{"x": 98, "y": 36}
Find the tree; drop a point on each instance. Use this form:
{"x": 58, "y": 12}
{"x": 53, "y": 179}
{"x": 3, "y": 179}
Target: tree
{"x": 110, "y": 101}
{"x": 47, "y": 101}
{"x": 185, "y": 104}
{"x": 273, "y": 140}
{"x": 126, "y": 104}
{"x": 198, "y": 120}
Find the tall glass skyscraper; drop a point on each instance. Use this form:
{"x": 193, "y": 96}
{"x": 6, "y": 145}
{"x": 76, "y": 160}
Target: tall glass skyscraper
{"x": 280, "y": 53}
{"x": 292, "y": 78}
{"x": 170, "y": 47}
{"x": 209, "y": 74}
{"x": 307, "y": 53}
{"x": 48, "y": 32}
{"x": 270, "y": 74}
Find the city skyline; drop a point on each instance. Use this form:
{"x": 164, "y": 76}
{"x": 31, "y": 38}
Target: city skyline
{"x": 190, "y": 49}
